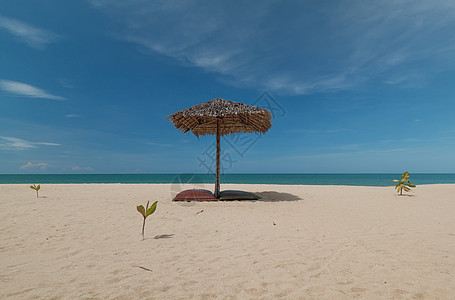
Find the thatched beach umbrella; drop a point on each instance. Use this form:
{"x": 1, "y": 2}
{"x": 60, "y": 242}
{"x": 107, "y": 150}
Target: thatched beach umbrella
{"x": 221, "y": 117}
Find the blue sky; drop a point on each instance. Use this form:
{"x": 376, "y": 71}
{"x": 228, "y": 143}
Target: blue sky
{"x": 356, "y": 86}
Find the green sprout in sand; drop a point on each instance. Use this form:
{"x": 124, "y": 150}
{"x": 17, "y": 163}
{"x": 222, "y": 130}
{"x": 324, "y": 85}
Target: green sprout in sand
{"x": 404, "y": 183}
{"x": 36, "y": 188}
{"x": 145, "y": 212}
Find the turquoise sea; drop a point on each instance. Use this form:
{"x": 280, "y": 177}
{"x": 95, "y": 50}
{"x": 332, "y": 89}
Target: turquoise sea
{"x": 293, "y": 179}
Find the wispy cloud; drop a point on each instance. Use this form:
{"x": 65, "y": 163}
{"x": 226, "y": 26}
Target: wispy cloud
{"x": 312, "y": 48}
{"x": 46, "y": 144}
{"x": 30, "y": 165}
{"x": 34, "y": 37}
{"x": 12, "y": 143}
{"x": 72, "y": 116}
{"x": 15, "y": 88}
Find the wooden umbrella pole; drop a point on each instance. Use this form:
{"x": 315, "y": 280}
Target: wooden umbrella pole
{"x": 218, "y": 149}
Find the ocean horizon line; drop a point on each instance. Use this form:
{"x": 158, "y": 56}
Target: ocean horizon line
{"x": 350, "y": 179}
{"x": 253, "y": 173}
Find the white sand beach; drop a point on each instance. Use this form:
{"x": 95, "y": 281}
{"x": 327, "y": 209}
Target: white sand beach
{"x": 299, "y": 242}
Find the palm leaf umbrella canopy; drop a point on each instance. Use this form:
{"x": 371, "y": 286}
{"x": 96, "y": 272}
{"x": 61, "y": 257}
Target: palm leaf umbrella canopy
{"x": 221, "y": 117}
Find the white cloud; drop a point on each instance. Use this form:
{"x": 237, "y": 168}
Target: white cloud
{"x": 72, "y": 116}
{"x": 46, "y": 144}
{"x": 32, "y": 36}
{"x": 25, "y": 90}
{"x": 12, "y": 143}
{"x": 296, "y": 47}
{"x": 29, "y": 165}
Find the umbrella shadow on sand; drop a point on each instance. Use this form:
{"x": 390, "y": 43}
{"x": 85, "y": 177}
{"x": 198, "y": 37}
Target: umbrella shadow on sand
{"x": 271, "y": 196}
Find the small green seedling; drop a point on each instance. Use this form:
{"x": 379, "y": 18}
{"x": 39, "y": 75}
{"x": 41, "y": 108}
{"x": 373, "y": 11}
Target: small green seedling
{"x": 403, "y": 184}
{"x": 36, "y": 188}
{"x": 145, "y": 212}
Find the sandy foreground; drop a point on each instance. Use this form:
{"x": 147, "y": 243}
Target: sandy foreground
{"x": 299, "y": 242}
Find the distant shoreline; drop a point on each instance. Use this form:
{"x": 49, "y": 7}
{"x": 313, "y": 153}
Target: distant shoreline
{"x": 209, "y": 185}
{"x": 379, "y": 179}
